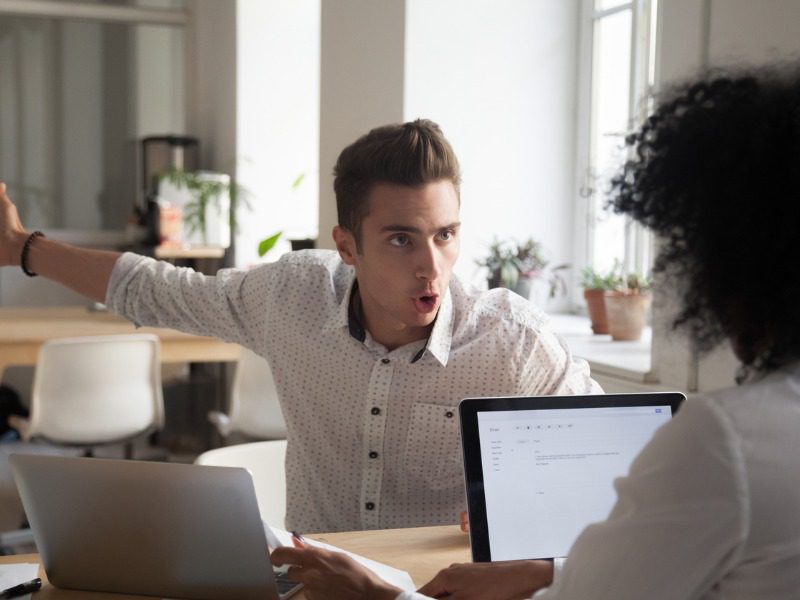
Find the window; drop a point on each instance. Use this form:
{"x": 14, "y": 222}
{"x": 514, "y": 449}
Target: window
{"x": 617, "y": 75}
{"x": 80, "y": 83}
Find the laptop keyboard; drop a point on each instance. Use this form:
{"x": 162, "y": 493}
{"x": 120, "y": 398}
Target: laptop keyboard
{"x": 285, "y": 585}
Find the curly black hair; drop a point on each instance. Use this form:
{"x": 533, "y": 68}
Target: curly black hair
{"x": 715, "y": 171}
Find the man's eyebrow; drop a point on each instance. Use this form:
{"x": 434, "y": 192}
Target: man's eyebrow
{"x": 412, "y": 229}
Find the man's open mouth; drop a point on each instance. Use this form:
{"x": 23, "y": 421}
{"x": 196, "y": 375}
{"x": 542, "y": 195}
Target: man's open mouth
{"x": 427, "y": 303}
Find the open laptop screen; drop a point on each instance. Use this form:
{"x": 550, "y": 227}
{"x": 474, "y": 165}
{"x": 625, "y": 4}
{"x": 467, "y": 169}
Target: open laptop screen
{"x": 147, "y": 528}
{"x": 539, "y": 470}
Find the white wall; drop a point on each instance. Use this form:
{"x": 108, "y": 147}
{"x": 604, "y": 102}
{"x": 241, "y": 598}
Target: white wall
{"x": 212, "y": 80}
{"x": 753, "y": 32}
{"x": 501, "y": 79}
{"x": 277, "y": 95}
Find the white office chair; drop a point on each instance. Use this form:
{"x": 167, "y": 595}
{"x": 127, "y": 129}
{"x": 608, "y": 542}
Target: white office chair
{"x": 266, "y": 463}
{"x": 254, "y": 408}
{"x": 94, "y": 391}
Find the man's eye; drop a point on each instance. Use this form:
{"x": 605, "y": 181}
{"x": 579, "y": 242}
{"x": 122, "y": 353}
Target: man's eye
{"x": 447, "y": 235}
{"x": 399, "y": 240}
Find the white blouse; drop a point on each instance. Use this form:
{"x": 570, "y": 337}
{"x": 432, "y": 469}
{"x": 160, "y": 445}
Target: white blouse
{"x": 710, "y": 509}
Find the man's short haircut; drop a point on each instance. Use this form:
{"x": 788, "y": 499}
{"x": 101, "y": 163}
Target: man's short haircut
{"x": 412, "y": 154}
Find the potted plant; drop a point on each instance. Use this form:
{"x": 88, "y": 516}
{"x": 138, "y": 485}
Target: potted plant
{"x": 595, "y": 285}
{"x": 517, "y": 266}
{"x": 627, "y": 307}
{"x": 204, "y": 200}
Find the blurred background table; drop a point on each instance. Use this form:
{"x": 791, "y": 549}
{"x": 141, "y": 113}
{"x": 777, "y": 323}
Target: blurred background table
{"x": 24, "y": 330}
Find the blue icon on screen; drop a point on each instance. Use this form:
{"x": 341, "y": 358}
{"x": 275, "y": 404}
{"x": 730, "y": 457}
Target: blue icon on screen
{"x": 658, "y": 410}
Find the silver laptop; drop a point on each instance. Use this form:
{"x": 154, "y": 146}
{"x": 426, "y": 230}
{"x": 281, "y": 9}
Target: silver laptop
{"x": 156, "y": 529}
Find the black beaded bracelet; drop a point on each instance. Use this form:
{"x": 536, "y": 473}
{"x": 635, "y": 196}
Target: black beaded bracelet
{"x": 23, "y": 257}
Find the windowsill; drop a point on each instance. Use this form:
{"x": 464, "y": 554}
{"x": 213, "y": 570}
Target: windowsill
{"x": 625, "y": 360}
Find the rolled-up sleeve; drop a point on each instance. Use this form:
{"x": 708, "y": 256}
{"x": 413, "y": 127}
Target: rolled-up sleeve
{"x": 551, "y": 369}
{"x": 230, "y": 305}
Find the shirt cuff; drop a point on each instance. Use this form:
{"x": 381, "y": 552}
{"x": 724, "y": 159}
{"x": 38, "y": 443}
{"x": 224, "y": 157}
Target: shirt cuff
{"x": 122, "y": 268}
{"x": 558, "y": 566}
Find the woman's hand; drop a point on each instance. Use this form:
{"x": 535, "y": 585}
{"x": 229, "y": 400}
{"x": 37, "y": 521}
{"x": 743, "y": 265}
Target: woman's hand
{"x": 507, "y": 580}
{"x": 329, "y": 575}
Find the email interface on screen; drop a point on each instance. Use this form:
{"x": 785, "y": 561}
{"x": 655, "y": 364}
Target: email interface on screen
{"x": 549, "y": 473}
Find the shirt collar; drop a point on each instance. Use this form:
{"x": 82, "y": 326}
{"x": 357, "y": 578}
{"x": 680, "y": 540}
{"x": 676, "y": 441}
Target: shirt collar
{"x": 441, "y": 337}
{"x": 340, "y": 318}
{"x": 354, "y": 324}
{"x": 437, "y": 344}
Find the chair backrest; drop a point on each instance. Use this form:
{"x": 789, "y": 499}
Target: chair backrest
{"x": 266, "y": 463}
{"x": 255, "y": 409}
{"x": 97, "y": 390}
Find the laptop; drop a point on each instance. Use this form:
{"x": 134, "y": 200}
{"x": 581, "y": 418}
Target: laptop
{"x": 155, "y": 529}
{"x": 538, "y": 470}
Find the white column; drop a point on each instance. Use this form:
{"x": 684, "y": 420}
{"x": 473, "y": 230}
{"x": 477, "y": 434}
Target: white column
{"x": 362, "y": 73}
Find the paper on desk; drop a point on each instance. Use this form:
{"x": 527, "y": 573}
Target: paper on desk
{"x": 11, "y": 575}
{"x": 278, "y": 537}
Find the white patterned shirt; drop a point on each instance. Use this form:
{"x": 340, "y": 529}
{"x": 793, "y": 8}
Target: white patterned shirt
{"x": 373, "y": 435}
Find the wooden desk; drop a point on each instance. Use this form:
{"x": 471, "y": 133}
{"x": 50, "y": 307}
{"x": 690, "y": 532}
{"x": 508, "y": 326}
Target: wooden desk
{"x": 421, "y": 551}
{"x": 24, "y": 330}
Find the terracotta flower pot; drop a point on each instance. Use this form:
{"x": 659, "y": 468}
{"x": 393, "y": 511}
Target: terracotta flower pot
{"x": 627, "y": 314}
{"x": 595, "y": 304}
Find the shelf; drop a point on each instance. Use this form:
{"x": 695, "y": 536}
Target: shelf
{"x": 192, "y": 252}
{"x": 626, "y": 360}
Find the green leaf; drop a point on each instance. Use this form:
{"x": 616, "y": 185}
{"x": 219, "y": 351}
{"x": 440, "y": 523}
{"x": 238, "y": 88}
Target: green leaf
{"x": 267, "y": 244}
{"x": 298, "y": 180}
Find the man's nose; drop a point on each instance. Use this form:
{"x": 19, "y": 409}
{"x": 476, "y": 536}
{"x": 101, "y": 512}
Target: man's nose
{"x": 429, "y": 263}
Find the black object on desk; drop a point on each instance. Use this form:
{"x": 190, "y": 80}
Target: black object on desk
{"x": 23, "y": 588}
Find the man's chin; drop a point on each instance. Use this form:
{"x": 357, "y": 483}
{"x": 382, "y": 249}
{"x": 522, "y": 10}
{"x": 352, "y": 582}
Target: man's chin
{"x": 421, "y": 320}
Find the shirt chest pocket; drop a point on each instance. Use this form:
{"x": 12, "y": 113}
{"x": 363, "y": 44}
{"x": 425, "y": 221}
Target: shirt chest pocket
{"x": 433, "y": 447}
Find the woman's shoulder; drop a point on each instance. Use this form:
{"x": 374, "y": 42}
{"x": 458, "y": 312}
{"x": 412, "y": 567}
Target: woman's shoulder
{"x": 757, "y": 407}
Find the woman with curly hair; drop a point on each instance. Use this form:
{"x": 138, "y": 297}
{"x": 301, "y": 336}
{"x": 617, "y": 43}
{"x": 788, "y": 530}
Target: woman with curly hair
{"x": 711, "y": 507}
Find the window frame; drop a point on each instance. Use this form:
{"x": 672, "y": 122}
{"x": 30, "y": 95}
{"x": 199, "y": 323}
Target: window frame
{"x": 131, "y": 15}
{"x": 638, "y": 241}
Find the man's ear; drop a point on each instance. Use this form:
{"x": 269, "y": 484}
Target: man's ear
{"x": 345, "y": 244}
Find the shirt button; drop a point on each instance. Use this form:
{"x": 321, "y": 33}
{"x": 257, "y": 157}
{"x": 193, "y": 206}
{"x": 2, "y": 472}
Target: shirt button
{"x": 375, "y": 410}
{"x": 449, "y": 414}
{"x": 373, "y": 454}
{"x": 385, "y": 361}
{"x": 370, "y": 506}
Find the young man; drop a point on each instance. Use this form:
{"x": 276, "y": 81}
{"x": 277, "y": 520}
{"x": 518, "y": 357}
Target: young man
{"x": 372, "y": 346}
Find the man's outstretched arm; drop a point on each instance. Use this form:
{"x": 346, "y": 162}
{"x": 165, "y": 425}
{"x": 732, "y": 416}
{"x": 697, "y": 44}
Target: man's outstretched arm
{"x": 84, "y": 271}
